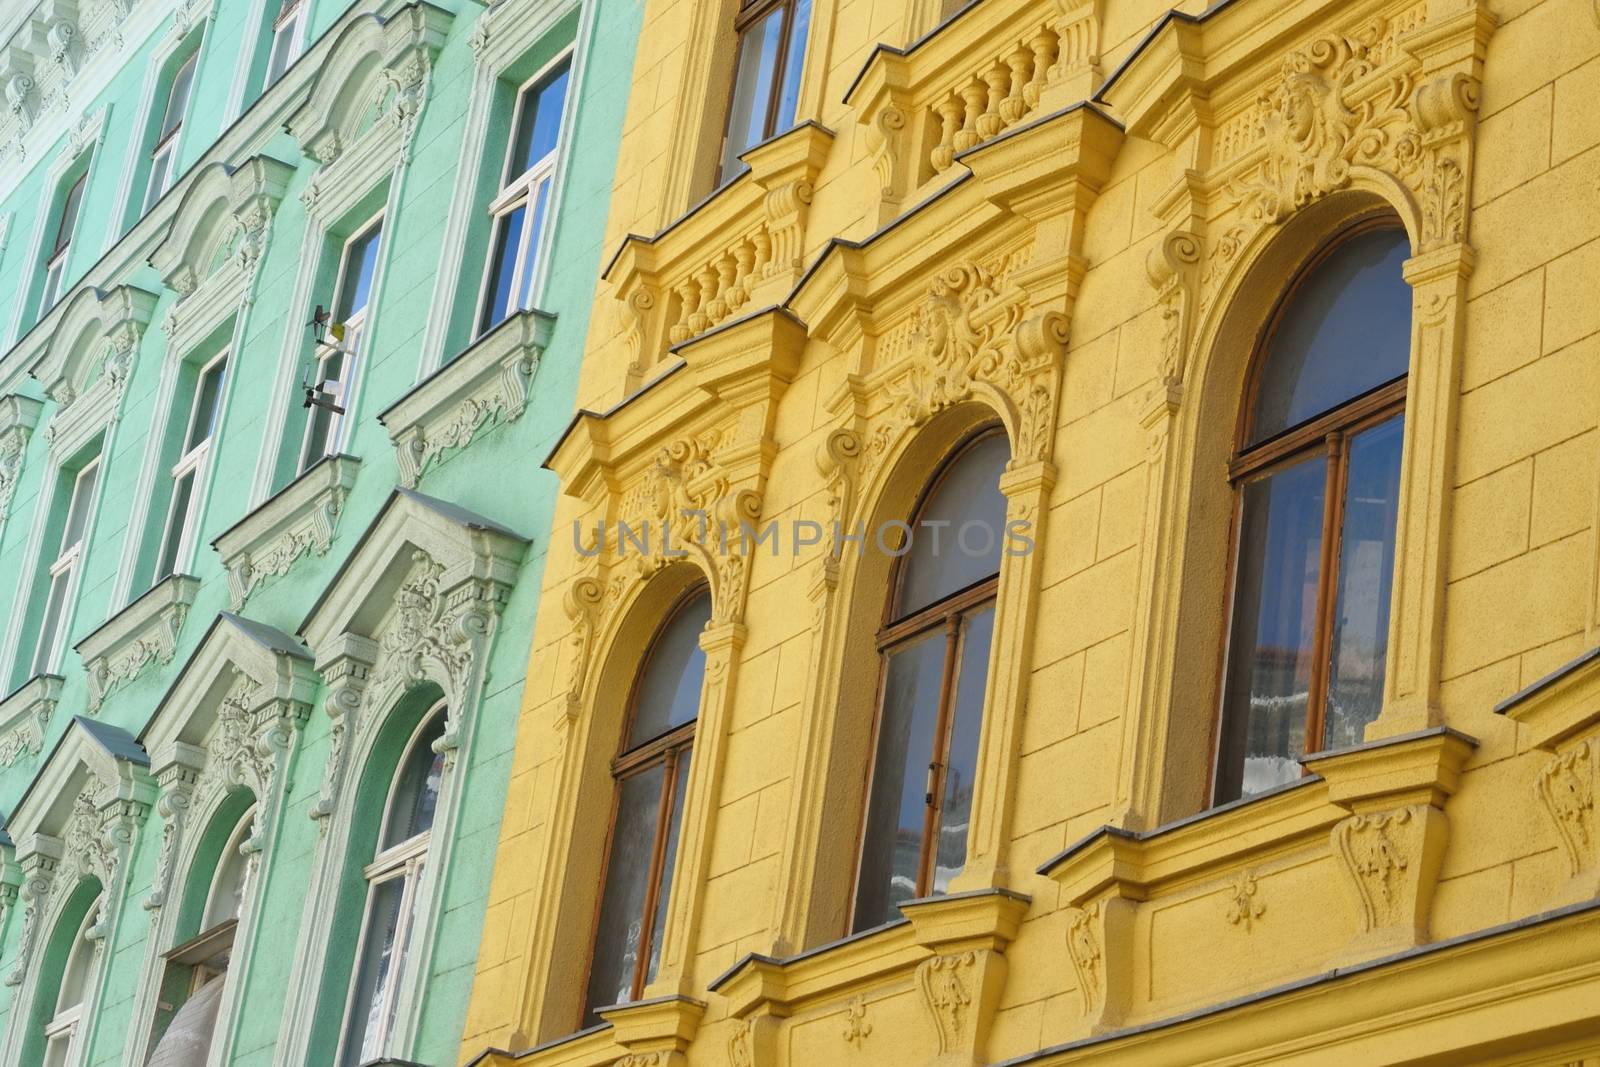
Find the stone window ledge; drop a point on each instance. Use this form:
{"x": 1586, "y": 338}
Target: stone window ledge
{"x": 299, "y": 519}
{"x": 145, "y": 630}
{"x": 486, "y": 384}
{"x": 25, "y": 715}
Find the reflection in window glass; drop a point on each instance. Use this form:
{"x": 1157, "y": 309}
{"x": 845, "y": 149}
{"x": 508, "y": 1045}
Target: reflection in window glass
{"x": 766, "y": 81}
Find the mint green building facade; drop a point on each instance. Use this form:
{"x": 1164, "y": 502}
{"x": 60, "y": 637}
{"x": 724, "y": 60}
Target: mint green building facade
{"x": 292, "y": 299}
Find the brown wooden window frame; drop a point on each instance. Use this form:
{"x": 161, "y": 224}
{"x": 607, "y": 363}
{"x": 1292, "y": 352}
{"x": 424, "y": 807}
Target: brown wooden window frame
{"x": 751, "y": 12}
{"x": 665, "y": 750}
{"x": 948, "y": 613}
{"x": 1327, "y": 434}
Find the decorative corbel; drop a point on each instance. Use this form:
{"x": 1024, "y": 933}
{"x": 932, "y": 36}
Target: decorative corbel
{"x": 176, "y": 783}
{"x": 18, "y": 416}
{"x": 346, "y": 673}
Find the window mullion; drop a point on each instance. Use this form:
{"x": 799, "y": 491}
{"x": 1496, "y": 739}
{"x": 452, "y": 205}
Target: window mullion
{"x": 658, "y": 851}
{"x": 1332, "y": 520}
{"x": 939, "y": 757}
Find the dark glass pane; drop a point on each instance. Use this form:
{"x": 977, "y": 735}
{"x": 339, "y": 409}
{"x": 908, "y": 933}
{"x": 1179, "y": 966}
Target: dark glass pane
{"x": 416, "y": 789}
{"x": 1366, "y": 567}
{"x": 752, "y": 89}
{"x": 957, "y": 536}
{"x": 668, "y": 692}
{"x": 539, "y": 124}
{"x": 182, "y": 493}
{"x": 69, "y": 213}
{"x": 372, "y": 976}
{"x": 793, "y": 62}
{"x": 361, "y": 263}
{"x": 54, "y": 607}
{"x": 508, "y": 239}
{"x": 961, "y": 762}
{"x": 178, "y": 99}
{"x": 658, "y": 923}
{"x": 1274, "y": 628}
{"x": 208, "y": 391}
{"x": 540, "y": 200}
{"x": 616, "y": 943}
{"x": 891, "y": 847}
{"x": 1348, "y": 330}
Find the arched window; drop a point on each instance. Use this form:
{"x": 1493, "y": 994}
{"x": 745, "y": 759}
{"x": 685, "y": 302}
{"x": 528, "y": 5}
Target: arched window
{"x": 651, "y": 774}
{"x": 393, "y": 879}
{"x": 1317, "y": 481}
{"x": 61, "y": 1031}
{"x": 934, "y": 662}
{"x": 196, "y": 968}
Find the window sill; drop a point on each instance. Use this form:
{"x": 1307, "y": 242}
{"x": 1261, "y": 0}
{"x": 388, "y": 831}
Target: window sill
{"x": 1248, "y": 862}
{"x": 145, "y": 630}
{"x": 301, "y": 518}
{"x": 487, "y": 384}
{"x": 25, "y": 716}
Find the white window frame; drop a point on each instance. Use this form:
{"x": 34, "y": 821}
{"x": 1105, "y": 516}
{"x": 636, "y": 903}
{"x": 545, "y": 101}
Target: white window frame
{"x": 194, "y": 464}
{"x": 523, "y": 189}
{"x": 64, "y": 1022}
{"x": 55, "y": 264}
{"x": 349, "y": 347}
{"x": 163, "y": 169}
{"x": 406, "y": 860}
{"x": 65, "y": 571}
{"x": 288, "y": 30}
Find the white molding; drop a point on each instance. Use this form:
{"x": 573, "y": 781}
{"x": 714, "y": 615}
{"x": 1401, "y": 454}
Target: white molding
{"x": 300, "y": 520}
{"x": 501, "y": 35}
{"x": 25, "y": 717}
{"x": 94, "y": 321}
{"x": 145, "y": 630}
{"x": 18, "y": 416}
{"x": 418, "y": 602}
{"x": 487, "y": 384}
{"x": 231, "y": 720}
{"x": 78, "y": 818}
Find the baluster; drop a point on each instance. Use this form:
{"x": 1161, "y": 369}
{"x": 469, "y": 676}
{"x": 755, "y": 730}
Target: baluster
{"x": 744, "y": 254}
{"x": 700, "y": 321}
{"x": 1042, "y": 45}
{"x": 686, "y": 303}
{"x": 720, "y": 304}
{"x": 1013, "y": 107}
{"x": 944, "y": 153}
{"x": 990, "y": 122}
{"x": 973, "y": 96}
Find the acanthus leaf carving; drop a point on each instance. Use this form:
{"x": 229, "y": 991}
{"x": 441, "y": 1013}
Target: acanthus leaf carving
{"x": 947, "y": 993}
{"x": 1566, "y": 788}
{"x": 1083, "y": 949}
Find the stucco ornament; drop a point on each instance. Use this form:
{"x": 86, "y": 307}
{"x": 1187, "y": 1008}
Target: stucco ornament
{"x": 945, "y": 982}
{"x": 1083, "y": 948}
{"x": 1244, "y": 904}
{"x": 856, "y": 1027}
{"x": 1566, "y": 789}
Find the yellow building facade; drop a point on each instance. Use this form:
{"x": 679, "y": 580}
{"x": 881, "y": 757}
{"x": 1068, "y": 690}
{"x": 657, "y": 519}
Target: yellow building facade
{"x": 1270, "y": 330}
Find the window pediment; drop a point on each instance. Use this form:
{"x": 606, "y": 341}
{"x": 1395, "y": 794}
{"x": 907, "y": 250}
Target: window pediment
{"x": 88, "y": 357}
{"x": 220, "y": 204}
{"x": 145, "y": 630}
{"x": 364, "y": 102}
{"x": 25, "y": 716}
{"x": 18, "y": 416}
{"x": 299, "y": 520}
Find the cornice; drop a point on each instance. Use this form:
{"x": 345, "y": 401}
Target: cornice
{"x": 25, "y": 716}
{"x": 145, "y": 630}
{"x": 1561, "y": 705}
{"x": 487, "y": 384}
{"x": 298, "y": 520}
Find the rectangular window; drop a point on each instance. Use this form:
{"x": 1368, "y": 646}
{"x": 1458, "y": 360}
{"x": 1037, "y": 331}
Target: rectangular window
{"x": 337, "y": 358}
{"x": 285, "y": 38}
{"x": 766, "y": 81}
{"x": 188, "y": 473}
{"x": 55, "y": 263}
{"x": 163, "y": 158}
{"x": 64, "y": 569}
{"x": 520, "y": 209}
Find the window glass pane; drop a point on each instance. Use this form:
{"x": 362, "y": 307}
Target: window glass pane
{"x": 69, "y": 213}
{"x": 1347, "y": 330}
{"x": 158, "y": 177}
{"x": 78, "y": 511}
{"x": 668, "y": 690}
{"x": 1366, "y": 565}
{"x": 416, "y": 789}
{"x": 539, "y": 124}
{"x": 56, "y": 1054}
{"x": 616, "y": 944}
{"x": 54, "y": 607}
{"x": 752, "y": 89}
{"x": 658, "y": 923}
{"x": 227, "y": 885}
{"x": 373, "y": 972}
{"x": 961, "y": 763}
{"x": 966, "y": 548}
{"x": 1274, "y": 627}
{"x": 361, "y": 262}
{"x": 540, "y": 198}
{"x": 793, "y": 63}
{"x": 178, "y": 99}
{"x": 891, "y": 847}
{"x": 177, "y": 522}
{"x": 282, "y": 48}
{"x": 507, "y": 243}
{"x": 208, "y": 392}
{"x": 75, "y": 976}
